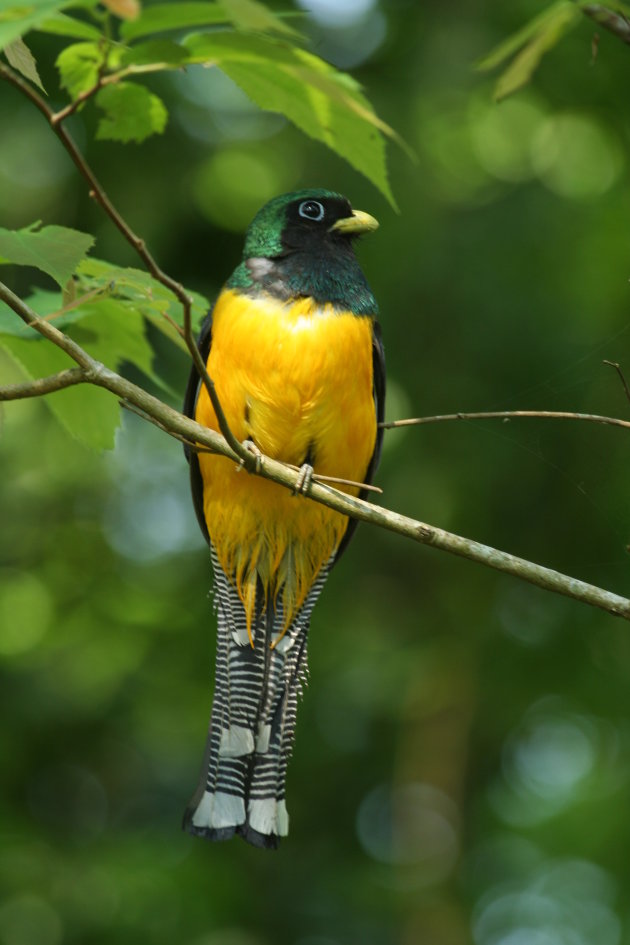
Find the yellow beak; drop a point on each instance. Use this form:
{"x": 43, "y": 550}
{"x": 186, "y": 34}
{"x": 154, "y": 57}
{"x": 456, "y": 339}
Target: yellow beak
{"x": 359, "y": 222}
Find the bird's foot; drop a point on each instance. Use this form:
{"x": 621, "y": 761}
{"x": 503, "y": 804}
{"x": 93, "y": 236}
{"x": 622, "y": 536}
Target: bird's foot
{"x": 304, "y": 479}
{"x": 251, "y": 447}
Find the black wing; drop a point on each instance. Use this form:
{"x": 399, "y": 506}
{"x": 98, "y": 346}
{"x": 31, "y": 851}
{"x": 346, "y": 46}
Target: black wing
{"x": 190, "y": 402}
{"x": 378, "y": 362}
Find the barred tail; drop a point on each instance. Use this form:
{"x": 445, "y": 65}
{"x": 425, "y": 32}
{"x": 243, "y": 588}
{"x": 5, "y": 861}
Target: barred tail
{"x": 242, "y": 789}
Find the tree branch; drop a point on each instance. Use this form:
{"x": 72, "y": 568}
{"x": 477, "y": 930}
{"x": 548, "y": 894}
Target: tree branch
{"x": 98, "y": 193}
{"x": 506, "y": 415}
{"x": 44, "y": 385}
{"x": 183, "y": 427}
{"x": 615, "y": 23}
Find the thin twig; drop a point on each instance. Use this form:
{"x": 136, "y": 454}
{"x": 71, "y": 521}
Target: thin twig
{"x": 616, "y": 23}
{"x": 75, "y": 304}
{"x": 506, "y": 415}
{"x": 104, "y": 80}
{"x": 617, "y": 367}
{"x": 98, "y": 193}
{"x": 275, "y": 471}
{"x": 44, "y": 385}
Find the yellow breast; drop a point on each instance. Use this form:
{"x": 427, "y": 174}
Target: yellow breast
{"x": 296, "y": 378}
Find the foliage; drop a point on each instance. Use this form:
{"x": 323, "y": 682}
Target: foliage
{"x": 527, "y": 46}
{"x": 253, "y": 46}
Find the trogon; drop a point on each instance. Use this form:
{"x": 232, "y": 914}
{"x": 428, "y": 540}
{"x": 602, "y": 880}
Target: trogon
{"x": 295, "y": 352}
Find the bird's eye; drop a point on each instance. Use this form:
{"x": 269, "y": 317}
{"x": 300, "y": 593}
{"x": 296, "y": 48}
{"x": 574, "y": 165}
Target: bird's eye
{"x": 311, "y": 210}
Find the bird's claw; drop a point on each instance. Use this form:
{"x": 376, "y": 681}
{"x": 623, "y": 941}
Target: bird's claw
{"x": 251, "y": 447}
{"x": 304, "y": 479}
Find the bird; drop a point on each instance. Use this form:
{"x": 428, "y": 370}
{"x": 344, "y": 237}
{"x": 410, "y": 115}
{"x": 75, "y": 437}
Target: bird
{"x": 294, "y": 349}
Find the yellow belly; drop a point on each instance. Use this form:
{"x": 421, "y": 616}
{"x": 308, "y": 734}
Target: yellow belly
{"x": 295, "y": 378}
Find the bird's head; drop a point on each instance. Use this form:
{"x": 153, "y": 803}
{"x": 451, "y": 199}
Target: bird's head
{"x": 313, "y": 221}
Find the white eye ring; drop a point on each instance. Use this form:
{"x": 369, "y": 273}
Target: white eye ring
{"x": 311, "y": 210}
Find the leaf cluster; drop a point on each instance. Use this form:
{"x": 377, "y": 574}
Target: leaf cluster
{"x": 108, "y": 51}
{"x": 522, "y": 52}
{"x": 259, "y": 50}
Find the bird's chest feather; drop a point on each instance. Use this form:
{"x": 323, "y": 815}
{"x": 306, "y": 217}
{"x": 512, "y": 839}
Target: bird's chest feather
{"x": 296, "y": 378}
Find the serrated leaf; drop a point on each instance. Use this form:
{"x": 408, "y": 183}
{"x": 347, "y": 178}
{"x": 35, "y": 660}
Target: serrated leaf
{"x": 141, "y": 292}
{"x": 125, "y": 9}
{"x": 88, "y": 413}
{"x": 63, "y": 25}
{"x": 321, "y": 101}
{"x": 79, "y": 66}
{"x": 117, "y": 334}
{"x": 56, "y": 250}
{"x": 132, "y": 113}
{"x": 254, "y": 16}
{"x": 16, "y": 19}
{"x": 21, "y": 58}
{"x": 155, "y": 51}
{"x": 173, "y": 16}
{"x": 525, "y": 63}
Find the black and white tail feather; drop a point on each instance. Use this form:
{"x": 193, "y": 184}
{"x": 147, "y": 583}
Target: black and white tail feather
{"x": 242, "y": 788}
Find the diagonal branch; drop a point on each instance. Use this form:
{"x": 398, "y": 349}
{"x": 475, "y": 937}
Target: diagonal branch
{"x": 98, "y": 193}
{"x": 183, "y": 427}
{"x": 44, "y": 385}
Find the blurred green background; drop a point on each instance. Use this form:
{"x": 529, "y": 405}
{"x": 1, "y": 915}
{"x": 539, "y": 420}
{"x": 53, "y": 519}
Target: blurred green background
{"x": 462, "y": 766}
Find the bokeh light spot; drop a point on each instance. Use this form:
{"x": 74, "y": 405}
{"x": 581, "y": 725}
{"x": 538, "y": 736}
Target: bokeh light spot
{"x": 553, "y": 905}
{"x": 502, "y": 136}
{"x": 576, "y": 157}
{"x": 410, "y": 825}
{"x": 231, "y": 187}
{"x": 337, "y": 13}
{"x": 29, "y": 920}
{"x": 25, "y": 611}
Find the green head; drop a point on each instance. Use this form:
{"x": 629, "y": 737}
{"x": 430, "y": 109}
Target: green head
{"x": 300, "y": 244}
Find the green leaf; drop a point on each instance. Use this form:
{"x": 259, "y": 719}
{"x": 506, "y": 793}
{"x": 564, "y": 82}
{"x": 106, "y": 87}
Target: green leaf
{"x": 515, "y": 41}
{"x": 88, "y": 413}
{"x": 322, "y": 102}
{"x": 141, "y": 292}
{"x": 56, "y": 250}
{"x": 132, "y": 113}
{"x": 155, "y": 52}
{"x": 63, "y": 25}
{"x": 79, "y": 66}
{"x": 524, "y": 64}
{"x": 42, "y": 301}
{"x": 173, "y": 16}
{"x": 255, "y": 17}
{"x": 16, "y": 19}
{"x": 21, "y": 58}
{"x": 112, "y": 332}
